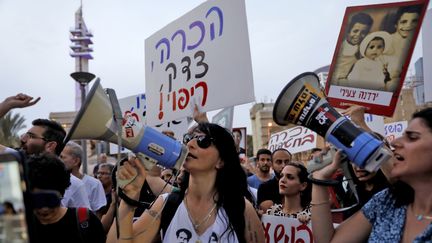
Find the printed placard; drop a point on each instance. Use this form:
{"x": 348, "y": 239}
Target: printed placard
{"x": 285, "y": 229}
{"x": 203, "y": 58}
{"x": 296, "y": 139}
{"x": 373, "y": 53}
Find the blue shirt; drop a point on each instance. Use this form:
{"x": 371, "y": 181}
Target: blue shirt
{"x": 388, "y": 221}
{"x": 254, "y": 181}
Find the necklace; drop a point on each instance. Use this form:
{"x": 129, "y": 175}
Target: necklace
{"x": 202, "y": 221}
{"x": 420, "y": 217}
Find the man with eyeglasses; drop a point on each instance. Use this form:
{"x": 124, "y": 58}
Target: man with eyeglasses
{"x": 104, "y": 176}
{"x": 45, "y": 136}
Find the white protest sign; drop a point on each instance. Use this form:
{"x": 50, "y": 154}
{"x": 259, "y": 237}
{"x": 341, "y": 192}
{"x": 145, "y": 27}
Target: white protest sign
{"x": 285, "y": 229}
{"x": 134, "y": 111}
{"x": 394, "y": 130}
{"x": 296, "y": 139}
{"x": 202, "y": 58}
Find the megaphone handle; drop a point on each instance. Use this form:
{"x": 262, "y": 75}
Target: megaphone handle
{"x": 349, "y": 175}
{"x": 117, "y": 117}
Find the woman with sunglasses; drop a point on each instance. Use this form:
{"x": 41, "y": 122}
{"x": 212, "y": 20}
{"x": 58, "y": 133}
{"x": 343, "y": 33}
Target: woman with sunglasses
{"x": 296, "y": 191}
{"x": 213, "y": 202}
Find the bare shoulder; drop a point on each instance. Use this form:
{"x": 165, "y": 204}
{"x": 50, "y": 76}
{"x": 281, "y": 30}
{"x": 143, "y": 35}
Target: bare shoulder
{"x": 253, "y": 228}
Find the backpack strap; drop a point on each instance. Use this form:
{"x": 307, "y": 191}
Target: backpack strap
{"x": 170, "y": 208}
{"x": 82, "y": 216}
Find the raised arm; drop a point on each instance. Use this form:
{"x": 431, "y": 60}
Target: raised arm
{"x": 17, "y": 101}
{"x": 355, "y": 229}
{"x": 356, "y": 113}
{"x": 145, "y": 229}
{"x": 199, "y": 116}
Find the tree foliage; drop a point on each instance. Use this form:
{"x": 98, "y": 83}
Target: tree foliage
{"x": 10, "y": 125}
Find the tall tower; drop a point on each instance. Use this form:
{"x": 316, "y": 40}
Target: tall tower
{"x": 81, "y": 51}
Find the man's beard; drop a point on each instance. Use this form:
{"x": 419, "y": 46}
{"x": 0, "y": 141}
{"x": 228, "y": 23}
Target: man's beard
{"x": 32, "y": 150}
{"x": 265, "y": 168}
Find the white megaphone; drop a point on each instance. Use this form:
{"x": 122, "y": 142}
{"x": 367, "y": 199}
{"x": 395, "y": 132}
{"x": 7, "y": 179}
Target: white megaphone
{"x": 95, "y": 121}
{"x": 301, "y": 102}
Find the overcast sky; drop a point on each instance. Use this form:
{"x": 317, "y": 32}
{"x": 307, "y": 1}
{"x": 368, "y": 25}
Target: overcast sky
{"x": 286, "y": 39}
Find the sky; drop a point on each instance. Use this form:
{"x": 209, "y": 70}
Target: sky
{"x": 286, "y": 38}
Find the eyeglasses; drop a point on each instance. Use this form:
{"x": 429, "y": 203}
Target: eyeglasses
{"x": 33, "y": 136}
{"x": 203, "y": 141}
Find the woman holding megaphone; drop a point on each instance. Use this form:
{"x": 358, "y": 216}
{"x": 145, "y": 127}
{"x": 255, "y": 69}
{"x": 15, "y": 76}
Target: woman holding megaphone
{"x": 402, "y": 213}
{"x": 211, "y": 206}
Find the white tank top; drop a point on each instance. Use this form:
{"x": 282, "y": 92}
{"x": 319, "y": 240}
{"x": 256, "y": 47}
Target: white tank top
{"x": 181, "y": 230}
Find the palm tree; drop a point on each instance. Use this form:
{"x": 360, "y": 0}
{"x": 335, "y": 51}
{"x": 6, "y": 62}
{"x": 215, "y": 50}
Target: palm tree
{"x": 10, "y": 125}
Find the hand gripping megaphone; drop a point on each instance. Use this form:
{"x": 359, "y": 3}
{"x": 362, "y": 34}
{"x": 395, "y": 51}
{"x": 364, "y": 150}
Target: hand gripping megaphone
{"x": 301, "y": 102}
{"x": 95, "y": 121}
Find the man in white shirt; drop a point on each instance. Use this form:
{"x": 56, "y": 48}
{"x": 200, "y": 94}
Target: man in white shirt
{"x": 71, "y": 157}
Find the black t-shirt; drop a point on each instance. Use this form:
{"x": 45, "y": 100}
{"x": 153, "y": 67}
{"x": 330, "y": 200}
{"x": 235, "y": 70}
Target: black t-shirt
{"x": 67, "y": 230}
{"x": 269, "y": 190}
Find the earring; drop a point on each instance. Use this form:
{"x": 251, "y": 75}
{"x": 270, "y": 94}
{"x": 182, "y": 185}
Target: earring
{"x": 220, "y": 164}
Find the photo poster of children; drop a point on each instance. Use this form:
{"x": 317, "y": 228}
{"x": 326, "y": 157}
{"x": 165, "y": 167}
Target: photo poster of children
{"x": 239, "y": 134}
{"x": 373, "y": 53}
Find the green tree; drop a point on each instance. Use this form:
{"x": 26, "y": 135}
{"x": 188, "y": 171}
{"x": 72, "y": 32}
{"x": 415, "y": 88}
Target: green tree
{"x": 10, "y": 125}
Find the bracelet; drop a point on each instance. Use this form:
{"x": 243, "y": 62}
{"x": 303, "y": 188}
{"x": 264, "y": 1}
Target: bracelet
{"x": 320, "y": 203}
{"x": 126, "y": 238}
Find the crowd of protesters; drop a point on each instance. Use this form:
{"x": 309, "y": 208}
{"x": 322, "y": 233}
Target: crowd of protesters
{"x": 212, "y": 197}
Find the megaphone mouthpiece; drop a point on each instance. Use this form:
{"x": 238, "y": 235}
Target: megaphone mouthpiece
{"x": 95, "y": 120}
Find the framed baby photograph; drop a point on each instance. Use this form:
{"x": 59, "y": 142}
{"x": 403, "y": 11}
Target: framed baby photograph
{"x": 373, "y": 53}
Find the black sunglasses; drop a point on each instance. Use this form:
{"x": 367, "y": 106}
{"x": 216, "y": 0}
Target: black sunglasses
{"x": 45, "y": 198}
{"x": 203, "y": 141}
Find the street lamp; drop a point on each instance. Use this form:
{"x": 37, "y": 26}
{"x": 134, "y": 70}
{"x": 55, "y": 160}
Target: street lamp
{"x": 83, "y": 78}
{"x": 269, "y": 126}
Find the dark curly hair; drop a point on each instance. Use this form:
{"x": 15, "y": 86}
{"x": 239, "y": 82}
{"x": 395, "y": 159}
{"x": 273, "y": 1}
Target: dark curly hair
{"x": 362, "y": 18}
{"x": 47, "y": 171}
{"x": 53, "y": 132}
